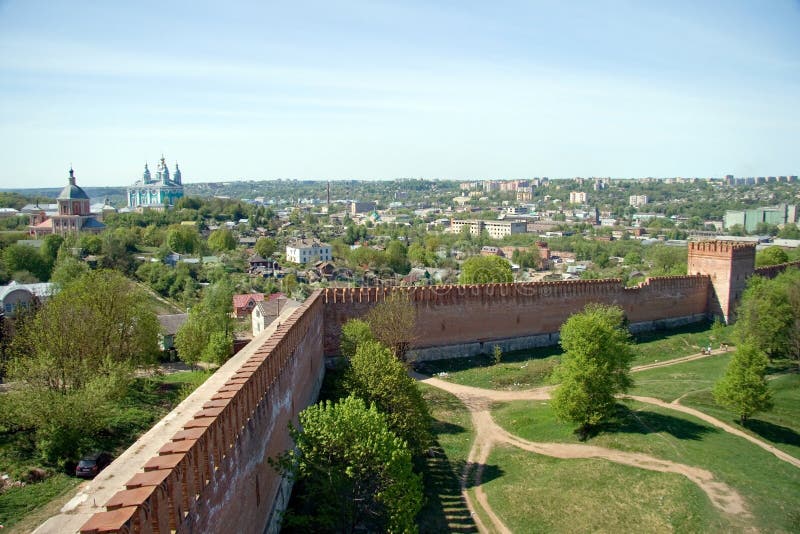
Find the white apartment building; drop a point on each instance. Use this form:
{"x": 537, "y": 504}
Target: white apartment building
{"x": 495, "y": 229}
{"x": 637, "y": 200}
{"x": 577, "y": 197}
{"x": 307, "y": 251}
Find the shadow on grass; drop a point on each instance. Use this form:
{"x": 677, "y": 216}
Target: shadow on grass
{"x": 772, "y": 432}
{"x": 452, "y": 365}
{"x": 445, "y": 509}
{"x": 664, "y": 333}
{"x": 627, "y": 421}
{"x": 487, "y": 474}
{"x": 443, "y": 427}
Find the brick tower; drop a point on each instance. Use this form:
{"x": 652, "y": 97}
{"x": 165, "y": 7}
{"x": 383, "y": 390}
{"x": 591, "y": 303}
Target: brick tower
{"x": 729, "y": 265}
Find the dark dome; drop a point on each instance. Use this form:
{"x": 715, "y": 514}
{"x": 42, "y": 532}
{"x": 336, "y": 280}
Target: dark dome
{"x": 71, "y": 192}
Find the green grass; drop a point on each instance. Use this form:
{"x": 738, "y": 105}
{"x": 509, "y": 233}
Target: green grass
{"x": 663, "y": 345}
{"x": 147, "y": 400}
{"x": 517, "y": 370}
{"x": 770, "y": 486}
{"x": 527, "y": 369}
{"x": 693, "y": 381}
{"x": 671, "y": 382}
{"x": 533, "y": 493}
{"x": 445, "y": 510}
{"x": 16, "y": 503}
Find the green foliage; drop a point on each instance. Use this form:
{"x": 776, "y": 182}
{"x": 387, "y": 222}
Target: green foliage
{"x": 376, "y": 376}
{"x": 352, "y": 472}
{"x": 98, "y": 325}
{"x": 769, "y": 313}
{"x": 393, "y": 323}
{"x": 789, "y": 231}
{"x": 666, "y": 260}
{"x": 26, "y": 258}
{"x": 595, "y": 365}
{"x": 265, "y": 247}
{"x": 221, "y": 240}
{"x": 354, "y": 333}
{"x": 207, "y": 334}
{"x": 497, "y": 354}
{"x": 397, "y": 257}
{"x": 773, "y": 255}
{"x": 485, "y": 270}
{"x": 744, "y": 387}
{"x": 183, "y": 239}
{"x": 67, "y": 269}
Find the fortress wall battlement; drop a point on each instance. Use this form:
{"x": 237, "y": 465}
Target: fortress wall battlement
{"x": 454, "y": 315}
{"x": 213, "y": 475}
{"x": 727, "y": 249}
{"x": 772, "y": 271}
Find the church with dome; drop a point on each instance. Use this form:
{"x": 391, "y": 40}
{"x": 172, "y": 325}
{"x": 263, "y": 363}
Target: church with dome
{"x": 159, "y": 192}
{"x": 73, "y": 213}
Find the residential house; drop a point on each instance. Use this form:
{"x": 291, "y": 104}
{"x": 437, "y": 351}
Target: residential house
{"x": 169, "y": 328}
{"x": 15, "y": 297}
{"x": 243, "y": 304}
{"x": 266, "y": 311}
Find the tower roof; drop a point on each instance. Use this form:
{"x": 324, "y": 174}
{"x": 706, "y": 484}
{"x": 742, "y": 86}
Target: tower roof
{"x": 72, "y": 191}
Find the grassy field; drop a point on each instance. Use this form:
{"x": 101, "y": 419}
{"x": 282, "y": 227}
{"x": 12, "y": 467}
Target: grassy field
{"x": 674, "y": 381}
{"x": 542, "y": 494}
{"x": 445, "y": 510}
{"x": 692, "y": 382}
{"x": 531, "y": 368}
{"x": 770, "y": 487}
{"x": 148, "y": 400}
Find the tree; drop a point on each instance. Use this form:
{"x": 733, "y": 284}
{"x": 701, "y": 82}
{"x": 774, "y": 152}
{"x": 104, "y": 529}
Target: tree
{"x": 595, "y": 366}
{"x": 18, "y": 257}
{"x": 221, "y": 240}
{"x": 765, "y": 316}
{"x": 393, "y": 322}
{"x": 773, "y": 255}
{"x": 207, "y": 334}
{"x": 486, "y": 270}
{"x": 744, "y": 388}
{"x": 265, "y": 247}
{"x": 68, "y": 269}
{"x": 183, "y": 239}
{"x": 352, "y": 473}
{"x": 789, "y": 231}
{"x": 354, "y": 333}
{"x": 396, "y": 257}
{"x": 94, "y": 326}
{"x": 377, "y": 376}
{"x": 76, "y": 354}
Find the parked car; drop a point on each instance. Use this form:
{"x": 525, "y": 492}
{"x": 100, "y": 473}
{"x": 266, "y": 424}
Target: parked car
{"x": 92, "y": 464}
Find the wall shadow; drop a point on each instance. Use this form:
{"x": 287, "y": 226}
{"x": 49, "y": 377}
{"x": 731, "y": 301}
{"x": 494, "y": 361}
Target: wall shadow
{"x": 772, "y": 432}
{"x": 627, "y": 421}
{"x": 445, "y": 509}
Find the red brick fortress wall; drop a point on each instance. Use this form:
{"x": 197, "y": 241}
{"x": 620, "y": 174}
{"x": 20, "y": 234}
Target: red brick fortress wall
{"x": 213, "y": 475}
{"x": 774, "y": 270}
{"x": 516, "y": 315}
{"x": 729, "y": 265}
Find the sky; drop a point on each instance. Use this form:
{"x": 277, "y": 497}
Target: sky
{"x": 381, "y": 90}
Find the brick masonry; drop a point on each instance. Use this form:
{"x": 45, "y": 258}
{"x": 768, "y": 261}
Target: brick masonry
{"x": 213, "y": 475}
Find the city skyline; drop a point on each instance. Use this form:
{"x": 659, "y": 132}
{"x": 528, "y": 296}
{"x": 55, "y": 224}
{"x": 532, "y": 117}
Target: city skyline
{"x": 381, "y": 91}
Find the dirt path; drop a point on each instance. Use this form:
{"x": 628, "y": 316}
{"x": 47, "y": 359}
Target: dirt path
{"x": 719, "y": 424}
{"x": 488, "y": 433}
{"x": 691, "y": 357}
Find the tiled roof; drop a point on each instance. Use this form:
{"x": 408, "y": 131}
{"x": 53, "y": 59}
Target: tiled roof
{"x": 240, "y": 301}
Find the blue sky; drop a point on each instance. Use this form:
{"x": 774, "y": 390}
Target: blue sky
{"x": 452, "y": 89}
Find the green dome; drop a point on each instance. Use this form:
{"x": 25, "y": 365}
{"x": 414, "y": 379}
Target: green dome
{"x": 72, "y": 191}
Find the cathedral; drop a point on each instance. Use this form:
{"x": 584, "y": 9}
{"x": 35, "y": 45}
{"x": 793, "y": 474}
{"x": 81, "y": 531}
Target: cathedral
{"x": 159, "y": 193}
{"x": 73, "y": 213}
